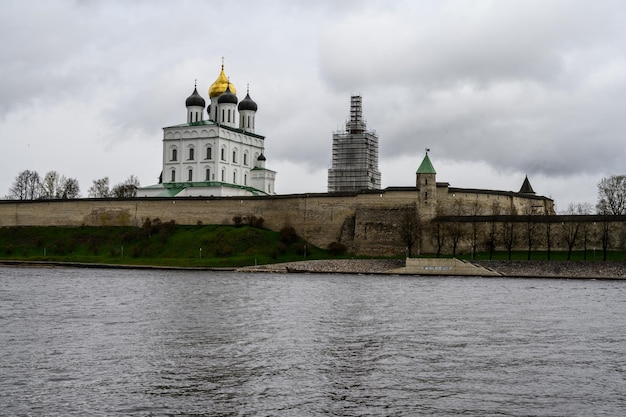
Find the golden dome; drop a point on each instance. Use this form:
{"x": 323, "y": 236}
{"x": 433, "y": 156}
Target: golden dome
{"x": 219, "y": 86}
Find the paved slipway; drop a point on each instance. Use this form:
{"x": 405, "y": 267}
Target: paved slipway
{"x": 538, "y": 269}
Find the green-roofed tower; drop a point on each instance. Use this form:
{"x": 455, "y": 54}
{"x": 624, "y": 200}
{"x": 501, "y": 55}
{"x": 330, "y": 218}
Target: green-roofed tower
{"x": 426, "y": 167}
{"x": 426, "y": 183}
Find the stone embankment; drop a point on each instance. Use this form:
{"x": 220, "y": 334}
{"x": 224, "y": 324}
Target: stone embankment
{"x": 538, "y": 269}
{"x": 558, "y": 269}
{"x": 332, "y": 266}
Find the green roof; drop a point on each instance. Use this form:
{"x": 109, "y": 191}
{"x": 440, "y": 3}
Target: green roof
{"x": 173, "y": 188}
{"x": 426, "y": 167}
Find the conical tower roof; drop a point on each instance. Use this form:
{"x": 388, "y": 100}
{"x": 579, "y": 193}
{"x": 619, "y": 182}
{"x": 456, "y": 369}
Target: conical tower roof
{"x": 426, "y": 167}
{"x": 526, "y": 187}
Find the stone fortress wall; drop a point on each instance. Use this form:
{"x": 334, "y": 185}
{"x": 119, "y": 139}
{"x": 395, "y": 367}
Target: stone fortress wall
{"x": 367, "y": 222}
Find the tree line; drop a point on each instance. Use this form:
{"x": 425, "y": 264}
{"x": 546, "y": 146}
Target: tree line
{"x": 29, "y": 185}
{"x": 461, "y": 233}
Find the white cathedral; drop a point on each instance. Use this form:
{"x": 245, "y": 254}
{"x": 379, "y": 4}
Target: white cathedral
{"x": 218, "y": 156}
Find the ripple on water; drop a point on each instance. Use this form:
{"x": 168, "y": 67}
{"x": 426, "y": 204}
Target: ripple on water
{"x": 148, "y": 343}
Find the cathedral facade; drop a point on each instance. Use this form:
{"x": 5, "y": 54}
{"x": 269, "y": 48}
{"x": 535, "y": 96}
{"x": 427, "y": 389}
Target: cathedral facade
{"x": 217, "y": 153}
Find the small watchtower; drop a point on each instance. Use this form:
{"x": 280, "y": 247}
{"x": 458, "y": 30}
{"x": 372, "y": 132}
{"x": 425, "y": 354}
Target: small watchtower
{"x": 426, "y": 183}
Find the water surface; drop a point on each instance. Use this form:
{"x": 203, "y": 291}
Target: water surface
{"x": 166, "y": 343}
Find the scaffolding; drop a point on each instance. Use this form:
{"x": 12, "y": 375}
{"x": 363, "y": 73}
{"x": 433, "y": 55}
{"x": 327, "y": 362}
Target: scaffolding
{"x": 355, "y": 155}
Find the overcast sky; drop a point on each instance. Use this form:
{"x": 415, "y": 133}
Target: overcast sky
{"x": 495, "y": 89}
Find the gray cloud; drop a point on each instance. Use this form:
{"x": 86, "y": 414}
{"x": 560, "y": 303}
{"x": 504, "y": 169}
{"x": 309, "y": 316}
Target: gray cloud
{"x": 520, "y": 86}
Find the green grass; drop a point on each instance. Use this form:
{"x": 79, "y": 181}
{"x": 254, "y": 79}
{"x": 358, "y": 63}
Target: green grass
{"x": 166, "y": 244}
{"x": 157, "y": 244}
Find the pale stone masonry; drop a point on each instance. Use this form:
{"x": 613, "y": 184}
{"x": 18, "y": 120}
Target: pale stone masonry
{"x": 367, "y": 223}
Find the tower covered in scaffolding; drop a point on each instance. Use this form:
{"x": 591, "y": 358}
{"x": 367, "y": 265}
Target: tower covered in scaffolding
{"x": 355, "y": 155}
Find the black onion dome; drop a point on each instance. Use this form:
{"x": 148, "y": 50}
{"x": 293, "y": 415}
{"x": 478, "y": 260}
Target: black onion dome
{"x": 247, "y": 104}
{"x": 227, "y": 97}
{"x": 195, "y": 99}
{"x": 261, "y": 158}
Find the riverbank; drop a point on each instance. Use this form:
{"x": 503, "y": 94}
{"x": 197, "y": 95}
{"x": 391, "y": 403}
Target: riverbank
{"x": 534, "y": 269}
{"x": 558, "y": 269}
{"x": 524, "y": 269}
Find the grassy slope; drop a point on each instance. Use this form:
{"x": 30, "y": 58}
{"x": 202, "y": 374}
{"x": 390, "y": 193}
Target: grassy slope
{"x": 200, "y": 246}
{"x": 164, "y": 244}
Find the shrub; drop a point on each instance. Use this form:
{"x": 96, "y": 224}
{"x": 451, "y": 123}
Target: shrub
{"x": 288, "y": 235}
{"x": 336, "y": 248}
{"x": 225, "y": 250}
{"x": 281, "y": 248}
{"x": 297, "y": 247}
{"x": 254, "y": 221}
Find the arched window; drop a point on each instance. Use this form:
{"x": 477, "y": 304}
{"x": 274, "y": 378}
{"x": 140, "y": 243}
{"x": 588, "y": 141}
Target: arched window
{"x": 209, "y": 152}
{"x": 173, "y": 176}
{"x": 235, "y": 156}
{"x": 191, "y": 154}
{"x": 223, "y": 175}
{"x": 208, "y": 174}
{"x": 174, "y": 154}
{"x": 245, "y": 179}
{"x": 223, "y": 154}
{"x": 245, "y": 158}
{"x": 190, "y": 174}
{"x": 234, "y": 178}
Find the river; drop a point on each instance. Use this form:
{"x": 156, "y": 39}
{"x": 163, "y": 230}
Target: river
{"x": 98, "y": 342}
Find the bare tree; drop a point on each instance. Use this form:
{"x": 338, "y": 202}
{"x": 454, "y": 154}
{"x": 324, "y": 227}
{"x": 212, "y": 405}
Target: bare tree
{"x": 55, "y": 185}
{"x": 583, "y": 209}
{"x": 612, "y": 195}
{"x": 492, "y": 232}
{"x": 70, "y": 189}
{"x": 572, "y": 230}
{"x": 439, "y": 231}
{"x": 100, "y": 188}
{"x": 509, "y": 236}
{"x": 27, "y": 186}
{"x": 570, "y": 234}
{"x": 529, "y": 229}
{"x": 127, "y": 188}
{"x": 605, "y": 236}
{"x": 409, "y": 228}
{"x": 475, "y": 209}
{"x": 549, "y": 238}
{"x": 456, "y": 227}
